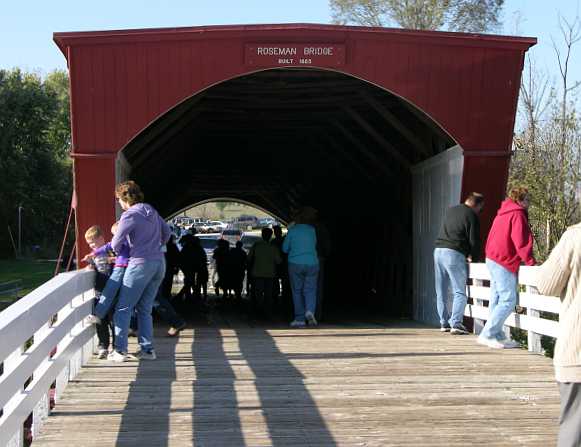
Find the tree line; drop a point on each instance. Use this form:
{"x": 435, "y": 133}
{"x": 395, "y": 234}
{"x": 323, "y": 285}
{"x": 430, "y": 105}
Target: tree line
{"x": 35, "y": 168}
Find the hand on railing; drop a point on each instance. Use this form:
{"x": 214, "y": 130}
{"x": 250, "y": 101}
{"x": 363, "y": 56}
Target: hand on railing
{"x": 88, "y": 257}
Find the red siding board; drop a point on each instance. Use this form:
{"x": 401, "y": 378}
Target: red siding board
{"x": 123, "y": 80}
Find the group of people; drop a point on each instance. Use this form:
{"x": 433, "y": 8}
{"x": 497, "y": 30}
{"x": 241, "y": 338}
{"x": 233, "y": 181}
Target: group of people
{"x": 510, "y": 244}
{"x": 135, "y": 272}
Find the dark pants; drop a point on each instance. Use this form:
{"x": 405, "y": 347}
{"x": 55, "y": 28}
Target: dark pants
{"x": 105, "y": 333}
{"x": 202, "y": 283}
{"x": 262, "y": 294}
{"x": 320, "y": 290}
{"x": 166, "y": 312}
{"x": 189, "y": 285}
{"x": 167, "y": 282}
{"x": 570, "y": 418}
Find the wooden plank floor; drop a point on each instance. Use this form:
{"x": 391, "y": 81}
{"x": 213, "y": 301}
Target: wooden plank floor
{"x": 228, "y": 383}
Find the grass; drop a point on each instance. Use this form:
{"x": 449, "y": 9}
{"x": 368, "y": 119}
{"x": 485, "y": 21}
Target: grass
{"x": 32, "y": 273}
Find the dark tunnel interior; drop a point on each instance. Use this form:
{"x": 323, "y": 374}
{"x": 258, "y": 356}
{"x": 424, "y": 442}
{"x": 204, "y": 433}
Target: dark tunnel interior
{"x": 283, "y": 138}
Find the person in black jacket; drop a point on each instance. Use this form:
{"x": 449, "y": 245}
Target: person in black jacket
{"x": 236, "y": 261}
{"x": 458, "y": 242}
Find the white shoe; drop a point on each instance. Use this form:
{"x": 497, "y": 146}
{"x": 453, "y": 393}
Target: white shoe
{"x": 297, "y": 323}
{"x": 490, "y": 342}
{"x": 510, "y": 344}
{"x": 102, "y": 353}
{"x": 117, "y": 357}
{"x": 310, "y": 318}
{"x": 93, "y": 319}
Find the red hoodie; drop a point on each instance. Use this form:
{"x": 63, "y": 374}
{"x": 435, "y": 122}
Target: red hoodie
{"x": 510, "y": 240}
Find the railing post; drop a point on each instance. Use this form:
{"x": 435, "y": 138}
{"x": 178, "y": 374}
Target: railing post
{"x": 534, "y": 339}
{"x": 478, "y": 323}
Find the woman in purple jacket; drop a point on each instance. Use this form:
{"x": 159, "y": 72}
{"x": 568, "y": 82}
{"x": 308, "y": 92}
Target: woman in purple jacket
{"x": 143, "y": 229}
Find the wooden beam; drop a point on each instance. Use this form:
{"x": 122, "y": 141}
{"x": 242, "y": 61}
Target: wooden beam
{"x": 377, "y": 137}
{"x": 363, "y": 149}
{"x": 348, "y": 156}
{"x": 429, "y": 123}
{"x": 394, "y": 121}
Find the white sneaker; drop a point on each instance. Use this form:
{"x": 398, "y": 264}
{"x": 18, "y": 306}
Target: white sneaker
{"x": 297, "y": 323}
{"x": 510, "y": 344}
{"x": 93, "y": 319}
{"x": 310, "y": 318}
{"x": 102, "y": 353}
{"x": 117, "y": 357}
{"x": 490, "y": 342}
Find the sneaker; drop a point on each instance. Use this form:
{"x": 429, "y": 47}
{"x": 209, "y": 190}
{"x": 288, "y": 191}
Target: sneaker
{"x": 458, "y": 329}
{"x": 117, "y": 357}
{"x": 102, "y": 353}
{"x": 490, "y": 342}
{"x": 510, "y": 344}
{"x": 311, "y": 318}
{"x": 146, "y": 355}
{"x": 173, "y": 331}
{"x": 93, "y": 319}
{"x": 297, "y": 323}
{"x": 445, "y": 328}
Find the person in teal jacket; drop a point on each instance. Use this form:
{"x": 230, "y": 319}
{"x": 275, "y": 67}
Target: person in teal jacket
{"x": 303, "y": 267}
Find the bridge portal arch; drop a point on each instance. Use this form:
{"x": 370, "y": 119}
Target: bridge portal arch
{"x": 394, "y": 118}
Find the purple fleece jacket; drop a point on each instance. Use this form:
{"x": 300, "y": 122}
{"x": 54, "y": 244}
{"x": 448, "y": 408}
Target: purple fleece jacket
{"x": 145, "y": 232}
{"x": 121, "y": 258}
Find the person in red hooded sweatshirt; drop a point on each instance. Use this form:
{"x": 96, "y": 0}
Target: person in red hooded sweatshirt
{"x": 509, "y": 243}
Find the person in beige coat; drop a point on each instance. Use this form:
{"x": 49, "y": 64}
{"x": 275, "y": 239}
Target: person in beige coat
{"x": 560, "y": 276}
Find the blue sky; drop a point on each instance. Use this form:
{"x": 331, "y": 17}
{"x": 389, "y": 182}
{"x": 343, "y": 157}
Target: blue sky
{"x": 26, "y": 27}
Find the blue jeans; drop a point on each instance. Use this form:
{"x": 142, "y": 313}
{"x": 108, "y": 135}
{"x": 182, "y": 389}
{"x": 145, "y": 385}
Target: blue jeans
{"x": 109, "y": 292}
{"x": 450, "y": 269}
{"x": 303, "y": 279}
{"x": 503, "y": 295}
{"x": 140, "y": 285}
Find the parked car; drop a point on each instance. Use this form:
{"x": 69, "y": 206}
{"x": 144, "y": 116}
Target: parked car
{"x": 232, "y": 235}
{"x": 213, "y": 226}
{"x": 247, "y": 222}
{"x": 266, "y": 222}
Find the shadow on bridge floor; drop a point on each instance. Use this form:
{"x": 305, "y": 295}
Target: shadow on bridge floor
{"x": 228, "y": 382}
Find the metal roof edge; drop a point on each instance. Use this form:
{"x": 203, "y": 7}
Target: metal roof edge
{"x": 64, "y": 39}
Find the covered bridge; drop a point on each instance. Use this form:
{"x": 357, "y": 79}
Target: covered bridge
{"x": 380, "y": 129}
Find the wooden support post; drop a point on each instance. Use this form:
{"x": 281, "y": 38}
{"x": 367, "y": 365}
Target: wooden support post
{"x": 478, "y": 323}
{"x": 534, "y": 339}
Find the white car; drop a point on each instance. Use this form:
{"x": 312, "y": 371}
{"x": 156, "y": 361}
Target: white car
{"x": 217, "y": 226}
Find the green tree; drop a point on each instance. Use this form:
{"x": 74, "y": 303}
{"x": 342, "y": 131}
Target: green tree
{"x": 451, "y": 15}
{"x": 547, "y": 148}
{"x": 35, "y": 171}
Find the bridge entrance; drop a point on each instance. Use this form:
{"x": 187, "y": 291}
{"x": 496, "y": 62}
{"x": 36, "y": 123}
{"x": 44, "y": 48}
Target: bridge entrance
{"x": 280, "y": 138}
{"x": 380, "y": 129}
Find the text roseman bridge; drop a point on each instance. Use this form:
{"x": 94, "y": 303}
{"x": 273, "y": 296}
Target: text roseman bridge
{"x": 380, "y": 130}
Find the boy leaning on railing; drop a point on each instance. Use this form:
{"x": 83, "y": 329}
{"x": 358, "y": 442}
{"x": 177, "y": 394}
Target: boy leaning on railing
{"x": 106, "y": 294}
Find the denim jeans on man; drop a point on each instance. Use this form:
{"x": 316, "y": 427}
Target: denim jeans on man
{"x": 140, "y": 285}
{"x": 107, "y": 297}
{"x": 303, "y": 280}
{"x": 503, "y": 295}
{"x": 450, "y": 268}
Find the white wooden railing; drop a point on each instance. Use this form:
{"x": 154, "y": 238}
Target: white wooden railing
{"x": 529, "y": 300}
{"x": 44, "y": 341}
